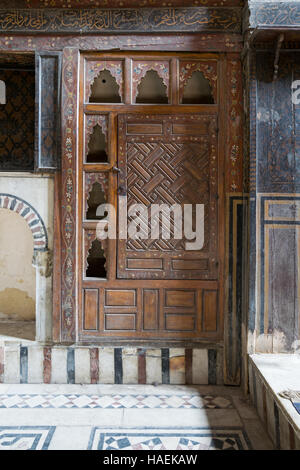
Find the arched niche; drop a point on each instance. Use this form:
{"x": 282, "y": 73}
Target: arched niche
{"x": 151, "y": 89}
{"x": 96, "y": 260}
{"x": 96, "y": 197}
{"x": 97, "y": 146}
{"x": 105, "y": 89}
{"x": 197, "y": 90}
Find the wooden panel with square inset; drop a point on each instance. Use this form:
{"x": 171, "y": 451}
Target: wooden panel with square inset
{"x": 91, "y": 309}
{"x": 120, "y": 298}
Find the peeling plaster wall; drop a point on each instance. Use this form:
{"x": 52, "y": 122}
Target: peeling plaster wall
{"x": 25, "y": 275}
{"x": 17, "y": 275}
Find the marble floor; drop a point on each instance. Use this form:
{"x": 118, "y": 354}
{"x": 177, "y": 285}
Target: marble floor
{"x": 128, "y": 417}
{"x": 281, "y": 372}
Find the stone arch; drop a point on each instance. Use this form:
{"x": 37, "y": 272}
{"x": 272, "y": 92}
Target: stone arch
{"x": 32, "y": 217}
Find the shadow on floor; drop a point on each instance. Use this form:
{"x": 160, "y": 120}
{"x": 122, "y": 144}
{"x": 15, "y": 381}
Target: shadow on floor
{"x": 17, "y": 329}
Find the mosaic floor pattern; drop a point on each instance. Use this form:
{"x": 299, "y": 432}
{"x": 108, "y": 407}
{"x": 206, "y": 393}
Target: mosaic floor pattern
{"x": 169, "y": 439}
{"x": 25, "y": 437}
{"x": 185, "y": 401}
{"x": 127, "y": 417}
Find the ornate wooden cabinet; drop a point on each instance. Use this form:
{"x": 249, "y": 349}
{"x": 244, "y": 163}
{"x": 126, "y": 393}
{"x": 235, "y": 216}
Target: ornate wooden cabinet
{"x": 149, "y": 134}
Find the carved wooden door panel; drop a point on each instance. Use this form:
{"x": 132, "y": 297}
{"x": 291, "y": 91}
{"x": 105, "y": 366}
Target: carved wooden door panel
{"x": 169, "y": 159}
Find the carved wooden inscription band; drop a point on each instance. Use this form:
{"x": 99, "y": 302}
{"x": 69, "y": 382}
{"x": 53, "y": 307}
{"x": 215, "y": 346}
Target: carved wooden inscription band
{"x": 143, "y": 20}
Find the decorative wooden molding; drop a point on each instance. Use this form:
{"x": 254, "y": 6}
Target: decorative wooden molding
{"x": 69, "y": 133}
{"x": 149, "y": 20}
{"x": 234, "y": 145}
{"x": 169, "y": 42}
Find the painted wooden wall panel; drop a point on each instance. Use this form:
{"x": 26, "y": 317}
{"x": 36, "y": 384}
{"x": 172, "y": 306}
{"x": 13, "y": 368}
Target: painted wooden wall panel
{"x": 68, "y": 203}
{"x": 274, "y": 205}
{"x": 48, "y": 102}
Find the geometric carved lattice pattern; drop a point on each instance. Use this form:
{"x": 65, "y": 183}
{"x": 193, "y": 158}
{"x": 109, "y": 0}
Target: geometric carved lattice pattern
{"x": 165, "y": 159}
{"x": 166, "y": 173}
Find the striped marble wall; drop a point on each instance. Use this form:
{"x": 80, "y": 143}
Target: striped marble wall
{"x": 27, "y": 363}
